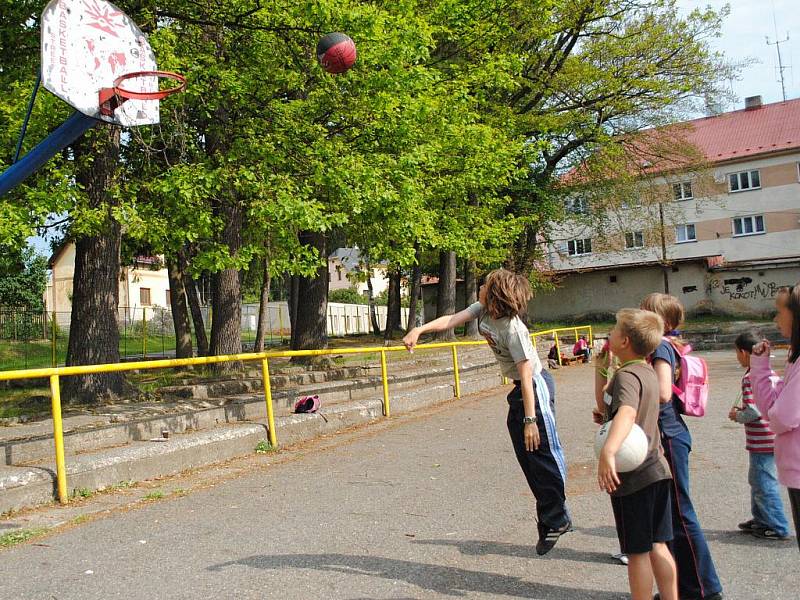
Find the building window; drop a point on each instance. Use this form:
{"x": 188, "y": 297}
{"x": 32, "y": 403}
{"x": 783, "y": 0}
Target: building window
{"x": 748, "y": 225}
{"x": 144, "y": 296}
{"x": 169, "y": 298}
{"x": 577, "y": 206}
{"x": 579, "y": 247}
{"x": 682, "y": 191}
{"x": 685, "y": 233}
{"x": 634, "y": 239}
{"x": 746, "y": 180}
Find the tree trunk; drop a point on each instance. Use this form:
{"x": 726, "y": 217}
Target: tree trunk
{"x": 197, "y": 314}
{"x": 471, "y": 295}
{"x": 226, "y": 301}
{"x": 180, "y": 310}
{"x": 94, "y": 327}
{"x": 310, "y": 328}
{"x": 446, "y": 291}
{"x": 416, "y": 288}
{"x": 394, "y": 320}
{"x": 293, "y": 287}
{"x": 263, "y": 308}
{"x": 373, "y": 312}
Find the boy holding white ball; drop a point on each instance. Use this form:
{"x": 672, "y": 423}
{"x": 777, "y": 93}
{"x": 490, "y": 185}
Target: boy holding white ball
{"x": 640, "y": 497}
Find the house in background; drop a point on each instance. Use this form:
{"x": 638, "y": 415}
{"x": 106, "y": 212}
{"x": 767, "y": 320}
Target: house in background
{"x": 344, "y": 268}
{"x": 733, "y": 237}
{"x": 143, "y": 285}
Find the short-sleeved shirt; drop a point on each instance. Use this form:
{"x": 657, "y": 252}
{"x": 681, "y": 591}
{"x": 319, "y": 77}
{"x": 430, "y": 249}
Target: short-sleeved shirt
{"x": 636, "y": 386}
{"x": 509, "y": 339}
{"x": 670, "y": 420}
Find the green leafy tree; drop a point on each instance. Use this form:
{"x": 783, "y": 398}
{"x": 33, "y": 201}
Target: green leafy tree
{"x": 23, "y": 280}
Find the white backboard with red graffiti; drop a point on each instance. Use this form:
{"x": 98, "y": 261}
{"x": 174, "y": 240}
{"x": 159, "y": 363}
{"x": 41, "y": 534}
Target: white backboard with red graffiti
{"x": 86, "y": 45}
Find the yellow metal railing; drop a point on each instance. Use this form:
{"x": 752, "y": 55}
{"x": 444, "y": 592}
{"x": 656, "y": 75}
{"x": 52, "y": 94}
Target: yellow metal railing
{"x": 55, "y": 373}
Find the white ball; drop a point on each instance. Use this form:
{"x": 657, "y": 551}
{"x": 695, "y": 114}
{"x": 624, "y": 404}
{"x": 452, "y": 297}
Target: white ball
{"x": 631, "y": 453}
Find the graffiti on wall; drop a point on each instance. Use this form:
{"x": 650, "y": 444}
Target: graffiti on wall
{"x": 743, "y": 288}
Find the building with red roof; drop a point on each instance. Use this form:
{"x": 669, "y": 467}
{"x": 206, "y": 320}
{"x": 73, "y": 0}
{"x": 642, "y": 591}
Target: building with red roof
{"x": 722, "y": 237}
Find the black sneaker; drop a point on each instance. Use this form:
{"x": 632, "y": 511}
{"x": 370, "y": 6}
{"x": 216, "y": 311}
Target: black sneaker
{"x": 548, "y": 537}
{"x": 750, "y": 525}
{"x": 768, "y": 534}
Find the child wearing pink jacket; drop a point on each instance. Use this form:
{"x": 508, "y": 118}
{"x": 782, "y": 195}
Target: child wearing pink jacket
{"x": 779, "y": 399}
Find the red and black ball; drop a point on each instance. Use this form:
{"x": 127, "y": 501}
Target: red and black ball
{"x": 336, "y": 52}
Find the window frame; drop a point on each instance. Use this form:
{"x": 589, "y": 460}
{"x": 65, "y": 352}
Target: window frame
{"x": 685, "y": 227}
{"x": 577, "y": 205}
{"x": 738, "y": 176}
{"x": 634, "y": 235}
{"x": 584, "y": 242}
{"x": 149, "y": 291}
{"x": 753, "y": 220}
{"x": 680, "y": 187}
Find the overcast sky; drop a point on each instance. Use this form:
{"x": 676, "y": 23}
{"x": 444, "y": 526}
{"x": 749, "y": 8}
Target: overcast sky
{"x": 744, "y": 35}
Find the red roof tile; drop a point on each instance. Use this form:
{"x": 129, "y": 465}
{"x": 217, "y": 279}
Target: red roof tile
{"x": 743, "y": 133}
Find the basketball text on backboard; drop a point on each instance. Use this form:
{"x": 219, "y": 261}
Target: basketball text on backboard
{"x": 86, "y": 46}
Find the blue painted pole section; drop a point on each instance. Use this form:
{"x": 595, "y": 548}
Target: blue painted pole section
{"x": 27, "y": 118}
{"x": 68, "y": 132}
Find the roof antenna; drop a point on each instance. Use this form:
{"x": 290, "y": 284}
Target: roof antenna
{"x": 777, "y": 43}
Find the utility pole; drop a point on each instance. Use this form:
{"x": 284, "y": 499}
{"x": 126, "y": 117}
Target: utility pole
{"x": 663, "y": 246}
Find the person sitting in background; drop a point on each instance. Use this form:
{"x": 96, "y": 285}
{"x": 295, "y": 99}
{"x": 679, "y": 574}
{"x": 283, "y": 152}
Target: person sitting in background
{"x": 581, "y": 349}
{"x": 552, "y": 358}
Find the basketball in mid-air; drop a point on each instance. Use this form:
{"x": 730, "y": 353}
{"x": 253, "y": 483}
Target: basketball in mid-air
{"x": 632, "y": 452}
{"x": 336, "y": 52}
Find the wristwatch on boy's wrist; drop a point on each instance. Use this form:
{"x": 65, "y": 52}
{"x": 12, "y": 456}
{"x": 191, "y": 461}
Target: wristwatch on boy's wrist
{"x": 529, "y": 420}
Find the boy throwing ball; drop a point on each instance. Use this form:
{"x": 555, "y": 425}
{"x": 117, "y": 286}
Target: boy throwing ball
{"x": 531, "y": 419}
{"x": 640, "y": 498}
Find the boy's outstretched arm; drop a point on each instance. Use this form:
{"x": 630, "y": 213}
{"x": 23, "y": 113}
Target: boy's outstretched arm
{"x": 441, "y": 324}
{"x": 621, "y": 426}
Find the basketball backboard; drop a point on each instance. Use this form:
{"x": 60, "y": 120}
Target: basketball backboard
{"x": 86, "y": 46}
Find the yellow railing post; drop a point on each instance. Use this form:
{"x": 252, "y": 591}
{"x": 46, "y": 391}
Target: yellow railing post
{"x": 144, "y": 332}
{"x": 58, "y": 437}
{"x": 385, "y": 378}
{"x": 53, "y": 333}
{"x": 558, "y": 348}
{"x": 273, "y": 436}
{"x": 455, "y": 372}
{"x": 591, "y": 336}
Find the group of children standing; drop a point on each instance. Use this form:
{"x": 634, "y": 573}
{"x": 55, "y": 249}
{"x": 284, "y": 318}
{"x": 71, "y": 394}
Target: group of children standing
{"x": 657, "y": 526}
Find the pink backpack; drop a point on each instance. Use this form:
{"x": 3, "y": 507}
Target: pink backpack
{"x": 692, "y": 386}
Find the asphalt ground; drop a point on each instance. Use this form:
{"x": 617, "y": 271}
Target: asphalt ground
{"x": 429, "y": 505}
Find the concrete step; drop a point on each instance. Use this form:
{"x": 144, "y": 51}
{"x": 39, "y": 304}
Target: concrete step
{"x": 27, "y": 444}
{"x": 25, "y": 486}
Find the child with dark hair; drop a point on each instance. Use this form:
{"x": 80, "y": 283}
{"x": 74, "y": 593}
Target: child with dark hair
{"x": 769, "y": 521}
{"x": 531, "y": 414}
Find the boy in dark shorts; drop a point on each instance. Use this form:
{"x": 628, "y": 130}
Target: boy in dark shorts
{"x": 640, "y": 498}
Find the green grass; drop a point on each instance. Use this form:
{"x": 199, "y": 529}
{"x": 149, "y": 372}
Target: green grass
{"x": 264, "y": 447}
{"x": 31, "y": 402}
{"x": 82, "y": 493}
{"x": 154, "y": 495}
{"x": 23, "y": 535}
